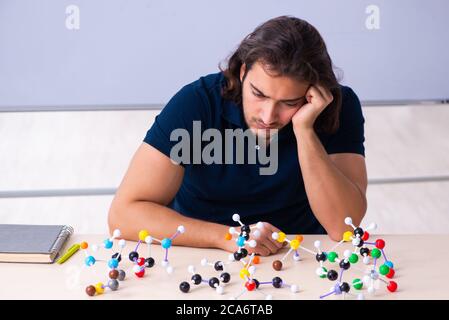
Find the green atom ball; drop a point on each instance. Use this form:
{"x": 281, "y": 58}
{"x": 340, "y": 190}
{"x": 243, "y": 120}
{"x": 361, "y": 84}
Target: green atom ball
{"x": 353, "y": 258}
{"x": 384, "y": 269}
{"x": 331, "y": 256}
{"x": 357, "y": 284}
{"x": 324, "y": 275}
{"x": 375, "y": 253}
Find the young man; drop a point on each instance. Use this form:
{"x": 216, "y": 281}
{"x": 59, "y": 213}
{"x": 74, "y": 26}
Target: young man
{"x": 280, "y": 78}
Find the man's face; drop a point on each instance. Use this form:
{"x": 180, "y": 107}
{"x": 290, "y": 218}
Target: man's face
{"x": 269, "y": 100}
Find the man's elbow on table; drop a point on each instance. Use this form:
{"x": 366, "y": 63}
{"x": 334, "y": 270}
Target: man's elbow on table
{"x": 336, "y": 231}
{"x": 115, "y": 218}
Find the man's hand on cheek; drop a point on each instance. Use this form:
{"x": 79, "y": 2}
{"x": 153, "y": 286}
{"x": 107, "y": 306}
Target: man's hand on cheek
{"x": 318, "y": 98}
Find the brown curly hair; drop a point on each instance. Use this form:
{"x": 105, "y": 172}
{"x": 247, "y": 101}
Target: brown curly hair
{"x": 291, "y": 47}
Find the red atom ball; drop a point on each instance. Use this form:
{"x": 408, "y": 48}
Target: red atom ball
{"x": 140, "y": 274}
{"x": 365, "y": 236}
{"x": 390, "y": 274}
{"x": 380, "y": 244}
{"x": 250, "y": 285}
{"x": 392, "y": 286}
{"x": 141, "y": 261}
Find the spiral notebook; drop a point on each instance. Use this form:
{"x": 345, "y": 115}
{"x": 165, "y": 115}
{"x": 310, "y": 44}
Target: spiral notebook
{"x": 32, "y": 243}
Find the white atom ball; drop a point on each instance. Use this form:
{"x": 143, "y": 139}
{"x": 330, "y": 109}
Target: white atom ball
{"x": 148, "y": 239}
{"x": 116, "y": 233}
{"x": 181, "y": 229}
{"x": 252, "y": 270}
{"x": 220, "y": 290}
{"x": 252, "y": 243}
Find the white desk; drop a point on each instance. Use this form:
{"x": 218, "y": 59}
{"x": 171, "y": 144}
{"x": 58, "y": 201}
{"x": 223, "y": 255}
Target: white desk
{"x": 420, "y": 263}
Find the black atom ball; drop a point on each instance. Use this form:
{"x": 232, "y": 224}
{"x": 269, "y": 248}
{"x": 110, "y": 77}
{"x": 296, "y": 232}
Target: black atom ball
{"x": 332, "y": 275}
{"x": 184, "y": 287}
{"x": 213, "y": 281}
{"x": 359, "y": 232}
{"x": 238, "y": 256}
{"x": 321, "y": 257}
{"x": 149, "y": 262}
{"x": 364, "y": 251}
{"x": 344, "y": 264}
{"x": 344, "y": 287}
{"x": 225, "y": 277}
{"x": 115, "y": 255}
{"x": 133, "y": 255}
{"x": 277, "y": 282}
{"x": 218, "y": 266}
{"x": 196, "y": 279}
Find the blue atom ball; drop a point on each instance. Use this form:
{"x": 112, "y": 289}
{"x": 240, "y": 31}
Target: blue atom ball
{"x": 107, "y": 244}
{"x": 113, "y": 263}
{"x": 166, "y": 243}
{"x": 240, "y": 241}
{"x": 89, "y": 261}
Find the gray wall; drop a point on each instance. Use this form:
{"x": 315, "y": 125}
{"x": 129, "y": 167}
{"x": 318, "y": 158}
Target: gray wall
{"x": 132, "y": 54}
{"x": 63, "y": 167}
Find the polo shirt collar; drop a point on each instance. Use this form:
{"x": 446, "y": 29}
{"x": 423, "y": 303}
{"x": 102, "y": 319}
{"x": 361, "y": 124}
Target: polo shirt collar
{"x": 233, "y": 113}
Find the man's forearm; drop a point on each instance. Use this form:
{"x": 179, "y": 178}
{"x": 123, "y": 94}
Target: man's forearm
{"x": 162, "y": 222}
{"x": 332, "y": 196}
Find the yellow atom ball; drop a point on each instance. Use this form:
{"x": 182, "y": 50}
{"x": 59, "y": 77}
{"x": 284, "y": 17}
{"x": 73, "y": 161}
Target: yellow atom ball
{"x": 294, "y": 244}
{"x": 99, "y": 288}
{"x": 281, "y": 237}
{"x": 143, "y": 234}
{"x": 347, "y": 236}
{"x": 243, "y": 273}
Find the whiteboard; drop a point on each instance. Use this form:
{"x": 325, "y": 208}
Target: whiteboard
{"x": 139, "y": 53}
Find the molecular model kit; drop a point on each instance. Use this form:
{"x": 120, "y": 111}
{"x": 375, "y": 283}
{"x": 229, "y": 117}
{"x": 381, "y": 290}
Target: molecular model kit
{"x": 140, "y": 263}
{"x": 213, "y": 282}
{"x": 376, "y": 270}
{"x": 252, "y": 284}
{"x": 242, "y": 240}
{"x": 115, "y": 274}
{"x": 358, "y": 238}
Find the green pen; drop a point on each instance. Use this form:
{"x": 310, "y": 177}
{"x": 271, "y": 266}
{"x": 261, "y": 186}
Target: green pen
{"x": 70, "y": 252}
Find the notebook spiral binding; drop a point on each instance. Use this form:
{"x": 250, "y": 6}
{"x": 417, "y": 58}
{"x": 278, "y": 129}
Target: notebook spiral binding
{"x": 65, "y": 233}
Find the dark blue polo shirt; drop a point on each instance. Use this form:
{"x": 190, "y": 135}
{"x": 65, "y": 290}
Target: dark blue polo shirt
{"x": 214, "y": 192}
